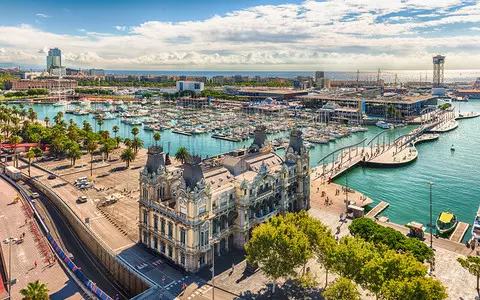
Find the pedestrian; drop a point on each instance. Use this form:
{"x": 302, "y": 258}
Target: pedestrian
{"x": 23, "y": 235}
{"x": 36, "y": 264}
{"x": 26, "y": 221}
{"x": 116, "y": 297}
{"x": 233, "y": 267}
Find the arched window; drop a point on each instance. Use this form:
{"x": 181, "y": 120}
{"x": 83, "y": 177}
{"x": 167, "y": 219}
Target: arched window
{"x": 145, "y": 193}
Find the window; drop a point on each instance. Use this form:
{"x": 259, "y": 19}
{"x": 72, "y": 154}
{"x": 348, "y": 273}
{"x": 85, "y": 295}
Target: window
{"x": 170, "y": 229}
{"x": 145, "y": 193}
{"x": 155, "y": 243}
{"x": 145, "y": 241}
{"x": 162, "y": 247}
{"x": 202, "y": 260}
{"x": 162, "y": 226}
{"x": 183, "y": 236}
{"x": 231, "y": 196}
{"x": 145, "y": 217}
{"x": 202, "y": 209}
{"x": 161, "y": 192}
{"x": 204, "y": 238}
{"x": 155, "y": 222}
{"x": 182, "y": 259}
{"x": 170, "y": 251}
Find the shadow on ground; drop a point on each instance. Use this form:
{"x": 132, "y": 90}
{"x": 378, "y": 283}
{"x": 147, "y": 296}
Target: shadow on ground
{"x": 286, "y": 291}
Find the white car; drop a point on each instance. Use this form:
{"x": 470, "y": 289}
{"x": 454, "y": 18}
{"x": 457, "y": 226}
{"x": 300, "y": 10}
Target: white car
{"x": 82, "y": 199}
{"x": 34, "y": 195}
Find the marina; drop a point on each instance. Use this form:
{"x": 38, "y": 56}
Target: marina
{"x": 221, "y": 134}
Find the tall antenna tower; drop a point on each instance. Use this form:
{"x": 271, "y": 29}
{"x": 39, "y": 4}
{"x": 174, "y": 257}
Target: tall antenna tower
{"x": 378, "y": 77}
{"x": 438, "y": 66}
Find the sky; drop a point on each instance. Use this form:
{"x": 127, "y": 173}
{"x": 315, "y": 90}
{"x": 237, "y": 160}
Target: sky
{"x": 224, "y": 35}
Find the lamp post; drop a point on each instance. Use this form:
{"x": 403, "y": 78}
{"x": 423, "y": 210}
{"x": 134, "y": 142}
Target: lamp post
{"x": 9, "y": 242}
{"x": 431, "y": 221}
{"x": 213, "y": 241}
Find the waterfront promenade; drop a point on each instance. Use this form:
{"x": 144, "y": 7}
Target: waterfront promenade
{"x": 14, "y": 222}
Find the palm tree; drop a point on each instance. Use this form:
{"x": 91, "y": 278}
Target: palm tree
{"x": 156, "y": 137}
{"x": 47, "y": 120}
{"x": 86, "y": 126}
{"x": 128, "y": 155}
{"x": 74, "y": 153}
{"x": 30, "y": 155}
{"x": 137, "y": 143}
{"x": 115, "y": 130}
{"x": 35, "y": 291}
{"x": 32, "y": 115}
{"x": 127, "y": 142}
{"x": 100, "y": 122}
{"x": 23, "y": 114}
{"x": 15, "y": 140}
{"x": 108, "y": 147}
{"x": 135, "y": 131}
{"x": 118, "y": 140}
{"x": 182, "y": 154}
{"x": 91, "y": 147}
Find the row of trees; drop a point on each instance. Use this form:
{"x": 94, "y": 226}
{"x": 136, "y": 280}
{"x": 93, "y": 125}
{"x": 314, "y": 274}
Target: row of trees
{"x": 283, "y": 246}
{"x": 4, "y": 76}
{"x": 93, "y": 91}
{"x": 85, "y": 82}
{"x": 30, "y": 92}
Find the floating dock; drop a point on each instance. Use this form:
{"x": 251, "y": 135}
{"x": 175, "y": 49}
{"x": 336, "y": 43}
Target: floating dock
{"x": 377, "y": 209}
{"x": 459, "y": 233}
{"x": 227, "y": 138}
{"x": 182, "y": 132}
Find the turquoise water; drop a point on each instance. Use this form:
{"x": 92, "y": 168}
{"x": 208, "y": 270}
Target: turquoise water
{"x": 455, "y": 175}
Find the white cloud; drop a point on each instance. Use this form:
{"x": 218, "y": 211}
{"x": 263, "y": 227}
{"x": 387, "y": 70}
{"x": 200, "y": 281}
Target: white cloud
{"x": 347, "y": 34}
{"x": 2, "y": 51}
{"x": 475, "y": 28}
{"x": 43, "y": 16}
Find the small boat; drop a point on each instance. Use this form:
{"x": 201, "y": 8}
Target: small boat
{"x": 476, "y": 226}
{"x": 382, "y": 124}
{"x": 60, "y": 103}
{"x": 446, "y": 223}
{"x": 452, "y": 148}
{"x": 85, "y": 102}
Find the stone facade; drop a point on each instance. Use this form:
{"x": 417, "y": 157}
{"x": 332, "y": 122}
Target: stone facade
{"x": 204, "y": 207}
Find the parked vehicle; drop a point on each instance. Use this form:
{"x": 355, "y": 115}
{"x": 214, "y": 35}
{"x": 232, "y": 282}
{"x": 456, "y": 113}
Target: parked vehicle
{"x": 34, "y": 195}
{"x": 82, "y": 199}
{"x": 52, "y": 176}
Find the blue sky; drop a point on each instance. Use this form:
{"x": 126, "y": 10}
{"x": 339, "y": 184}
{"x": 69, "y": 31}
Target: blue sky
{"x": 242, "y": 34}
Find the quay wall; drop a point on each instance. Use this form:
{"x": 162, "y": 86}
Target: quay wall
{"x": 130, "y": 279}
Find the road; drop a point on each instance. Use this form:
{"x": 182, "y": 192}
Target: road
{"x": 67, "y": 237}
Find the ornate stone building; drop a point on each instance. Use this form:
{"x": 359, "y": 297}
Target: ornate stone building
{"x": 189, "y": 212}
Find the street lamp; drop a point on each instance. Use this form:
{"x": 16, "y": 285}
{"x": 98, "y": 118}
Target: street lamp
{"x": 9, "y": 242}
{"x": 213, "y": 241}
{"x": 431, "y": 221}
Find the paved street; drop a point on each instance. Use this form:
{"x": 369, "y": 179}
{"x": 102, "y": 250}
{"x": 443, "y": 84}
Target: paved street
{"x": 24, "y": 254}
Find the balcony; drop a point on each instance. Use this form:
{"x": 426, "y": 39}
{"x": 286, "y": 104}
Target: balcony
{"x": 205, "y": 248}
{"x": 265, "y": 217}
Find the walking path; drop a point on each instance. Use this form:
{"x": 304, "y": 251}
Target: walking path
{"x": 377, "y": 209}
{"x": 16, "y": 221}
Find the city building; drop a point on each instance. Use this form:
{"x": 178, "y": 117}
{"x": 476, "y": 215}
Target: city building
{"x": 96, "y": 72}
{"x": 50, "y": 84}
{"x": 261, "y": 95}
{"x": 54, "y": 59}
{"x": 33, "y": 75}
{"x": 188, "y": 213}
{"x": 195, "y": 86}
{"x": 319, "y": 74}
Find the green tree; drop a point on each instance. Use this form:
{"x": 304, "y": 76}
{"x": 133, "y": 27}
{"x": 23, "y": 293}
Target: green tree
{"x": 128, "y": 156}
{"x": 127, "y": 142}
{"x": 92, "y": 145}
{"x": 418, "y": 288}
{"x": 156, "y": 137}
{"x": 74, "y": 153}
{"x": 278, "y": 248}
{"x": 30, "y": 155}
{"x": 108, "y": 147}
{"x": 182, "y": 154}
{"x": 38, "y": 152}
{"x": 86, "y": 126}
{"x": 35, "y": 291}
{"x": 14, "y": 141}
{"x": 115, "y": 130}
{"x": 118, "y": 140}
{"x": 135, "y": 131}
{"x": 100, "y": 123}
{"x": 136, "y": 144}
{"x": 342, "y": 289}
{"x": 46, "y": 120}
{"x": 472, "y": 265}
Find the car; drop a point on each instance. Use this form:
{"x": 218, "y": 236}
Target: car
{"x": 82, "y": 199}
{"x": 109, "y": 202}
{"x": 34, "y": 195}
{"x": 52, "y": 176}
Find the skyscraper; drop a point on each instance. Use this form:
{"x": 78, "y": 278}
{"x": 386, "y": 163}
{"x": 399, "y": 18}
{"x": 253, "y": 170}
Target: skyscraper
{"x": 54, "y": 59}
{"x": 319, "y": 74}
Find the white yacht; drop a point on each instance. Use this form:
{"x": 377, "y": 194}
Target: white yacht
{"x": 476, "y": 226}
{"x": 382, "y": 124}
{"x": 119, "y": 102}
{"x": 85, "y": 102}
{"x": 60, "y": 103}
